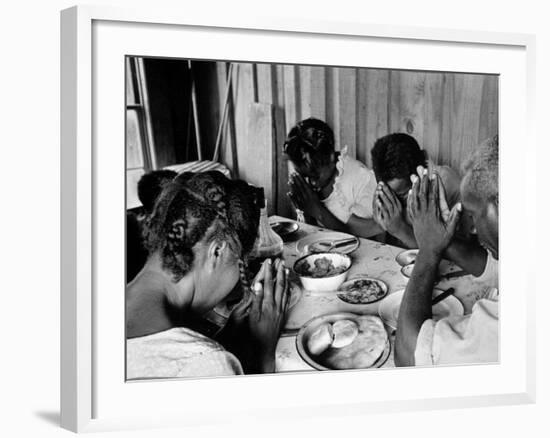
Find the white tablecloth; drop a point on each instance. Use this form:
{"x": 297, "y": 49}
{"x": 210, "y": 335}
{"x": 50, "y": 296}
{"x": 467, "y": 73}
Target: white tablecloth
{"x": 371, "y": 258}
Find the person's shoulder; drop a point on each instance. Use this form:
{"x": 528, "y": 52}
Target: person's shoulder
{"x": 448, "y": 175}
{"x": 354, "y": 167}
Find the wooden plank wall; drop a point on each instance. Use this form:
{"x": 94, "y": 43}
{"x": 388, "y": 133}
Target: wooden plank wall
{"x": 449, "y": 114}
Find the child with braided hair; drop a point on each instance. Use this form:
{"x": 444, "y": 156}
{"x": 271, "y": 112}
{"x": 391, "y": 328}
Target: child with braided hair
{"x": 198, "y": 236}
{"x": 333, "y": 189}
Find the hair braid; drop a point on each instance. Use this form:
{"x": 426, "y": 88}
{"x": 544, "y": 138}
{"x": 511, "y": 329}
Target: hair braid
{"x": 198, "y": 206}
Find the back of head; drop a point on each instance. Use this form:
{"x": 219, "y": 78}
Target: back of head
{"x": 150, "y": 185}
{"x": 480, "y": 170}
{"x": 396, "y": 156}
{"x": 310, "y": 140}
{"x": 200, "y": 207}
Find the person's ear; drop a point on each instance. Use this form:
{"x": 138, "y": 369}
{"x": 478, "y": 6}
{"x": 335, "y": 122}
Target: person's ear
{"x": 216, "y": 252}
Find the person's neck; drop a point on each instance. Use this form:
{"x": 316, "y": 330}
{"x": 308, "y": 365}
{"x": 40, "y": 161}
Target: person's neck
{"x": 326, "y": 190}
{"x": 147, "y": 296}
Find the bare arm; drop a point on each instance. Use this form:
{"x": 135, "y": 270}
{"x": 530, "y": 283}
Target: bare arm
{"x": 433, "y": 236}
{"x": 469, "y": 256}
{"x": 416, "y": 306}
{"x": 358, "y": 226}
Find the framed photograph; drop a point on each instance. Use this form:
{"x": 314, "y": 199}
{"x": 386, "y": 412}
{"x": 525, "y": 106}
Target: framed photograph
{"x": 198, "y": 152}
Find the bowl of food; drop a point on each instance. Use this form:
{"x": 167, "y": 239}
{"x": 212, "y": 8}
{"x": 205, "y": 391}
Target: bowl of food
{"x": 362, "y": 290}
{"x": 322, "y": 272}
{"x": 342, "y": 341}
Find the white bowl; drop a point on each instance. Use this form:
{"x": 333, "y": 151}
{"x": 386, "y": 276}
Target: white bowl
{"x": 323, "y": 284}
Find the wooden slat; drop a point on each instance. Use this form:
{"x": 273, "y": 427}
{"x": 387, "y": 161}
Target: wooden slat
{"x": 347, "y": 111}
{"x": 331, "y": 102}
{"x": 472, "y": 111}
{"x": 372, "y": 110}
{"x": 266, "y": 83}
{"x": 433, "y": 115}
{"x": 318, "y": 92}
{"x": 407, "y": 103}
{"x": 282, "y": 206}
{"x": 291, "y": 97}
{"x": 305, "y": 95}
{"x": 243, "y": 96}
{"x": 259, "y": 165}
{"x": 226, "y": 156}
{"x": 488, "y": 123}
{"x": 280, "y": 88}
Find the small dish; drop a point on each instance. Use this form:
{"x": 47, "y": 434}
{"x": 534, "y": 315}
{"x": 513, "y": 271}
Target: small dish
{"x": 285, "y": 228}
{"x": 359, "y": 290}
{"x": 407, "y": 257}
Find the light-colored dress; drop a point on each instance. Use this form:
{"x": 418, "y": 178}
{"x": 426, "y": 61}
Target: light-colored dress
{"x": 178, "y": 352}
{"x": 464, "y": 339}
{"x": 353, "y": 189}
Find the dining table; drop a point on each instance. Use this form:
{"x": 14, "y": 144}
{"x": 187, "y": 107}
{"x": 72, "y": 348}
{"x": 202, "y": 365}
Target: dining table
{"x": 371, "y": 258}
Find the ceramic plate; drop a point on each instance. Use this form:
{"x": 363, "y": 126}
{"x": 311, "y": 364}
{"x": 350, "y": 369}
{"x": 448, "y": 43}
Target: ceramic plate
{"x": 311, "y": 242}
{"x": 310, "y": 326}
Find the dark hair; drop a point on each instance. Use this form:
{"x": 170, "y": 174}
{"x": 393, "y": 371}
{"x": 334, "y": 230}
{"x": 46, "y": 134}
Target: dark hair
{"x": 198, "y": 206}
{"x": 311, "y": 137}
{"x": 150, "y": 185}
{"x": 396, "y": 156}
{"x": 481, "y": 172}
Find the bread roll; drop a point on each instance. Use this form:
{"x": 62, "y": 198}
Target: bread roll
{"x": 320, "y": 339}
{"x": 345, "y": 332}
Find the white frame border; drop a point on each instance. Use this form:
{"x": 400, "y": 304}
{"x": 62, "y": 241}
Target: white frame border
{"x": 77, "y": 275}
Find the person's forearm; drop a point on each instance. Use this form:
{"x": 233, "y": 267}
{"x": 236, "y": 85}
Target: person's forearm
{"x": 406, "y": 235}
{"x": 326, "y": 219}
{"x": 469, "y": 256}
{"x": 363, "y": 227}
{"x": 416, "y": 306}
{"x": 357, "y": 226}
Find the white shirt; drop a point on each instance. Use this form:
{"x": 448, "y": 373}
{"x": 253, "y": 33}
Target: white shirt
{"x": 464, "y": 339}
{"x": 178, "y": 352}
{"x": 353, "y": 190}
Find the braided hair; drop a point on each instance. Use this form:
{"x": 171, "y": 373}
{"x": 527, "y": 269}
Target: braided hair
{"x": 396, "y": 156}
{"x": 310, "y": 142}
{"x": 197, "y": 207}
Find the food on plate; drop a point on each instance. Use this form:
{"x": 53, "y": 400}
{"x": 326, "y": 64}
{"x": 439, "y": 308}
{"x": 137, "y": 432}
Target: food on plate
{"x": 345, "y": 332}
{"x": 349, "y": 343}
{"x": 364, "y": 351}
{"x": 320, "y": 339}
{"x": 323, "y": 267}
{"x": 362, "y": 291}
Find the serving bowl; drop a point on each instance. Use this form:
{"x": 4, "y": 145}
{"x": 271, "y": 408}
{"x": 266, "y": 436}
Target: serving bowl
{"x": 326, "y": 283}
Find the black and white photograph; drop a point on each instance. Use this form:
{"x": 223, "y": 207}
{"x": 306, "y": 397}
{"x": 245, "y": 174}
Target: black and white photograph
{"x": 285, "y": 218}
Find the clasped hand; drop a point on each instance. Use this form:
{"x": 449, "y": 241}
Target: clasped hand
{"x": 387, "y": 209}
{"x": 303, "y": 196}
{"x": 265, "y": 308}
{"x": 433, "y": 225}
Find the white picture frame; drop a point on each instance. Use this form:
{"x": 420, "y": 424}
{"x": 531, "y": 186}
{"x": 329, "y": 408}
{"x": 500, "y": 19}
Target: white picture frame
{"x": 90, "y": 401}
